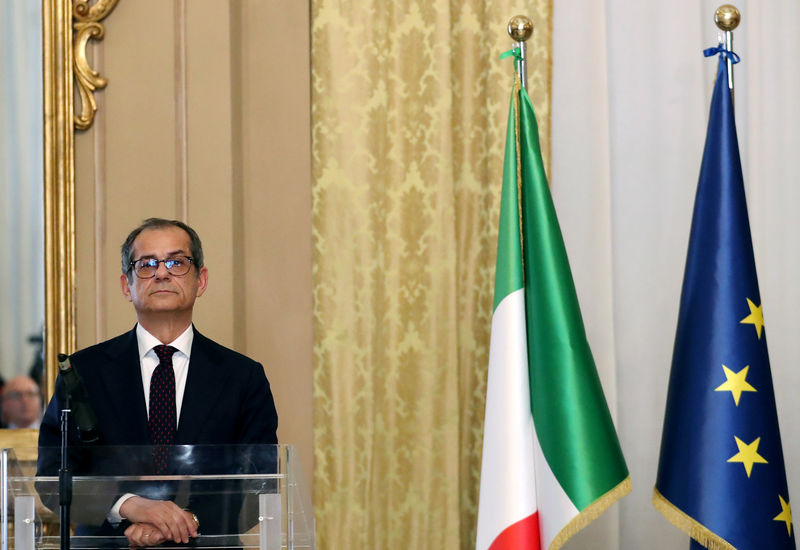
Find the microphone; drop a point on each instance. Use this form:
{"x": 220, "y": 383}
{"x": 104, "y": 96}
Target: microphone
{"x": 84, "y": 415}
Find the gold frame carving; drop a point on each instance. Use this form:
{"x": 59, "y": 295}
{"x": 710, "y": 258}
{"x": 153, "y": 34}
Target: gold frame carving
{"x": 87, "y": 26}
{"x": 59, "y": 185}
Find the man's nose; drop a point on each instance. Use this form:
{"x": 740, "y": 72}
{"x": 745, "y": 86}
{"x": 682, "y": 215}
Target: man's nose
{"x": 161, "y": 271}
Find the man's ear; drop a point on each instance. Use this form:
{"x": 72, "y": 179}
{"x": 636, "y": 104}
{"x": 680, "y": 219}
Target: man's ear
{"x": 202, "y": 281}
{"x": 126, "y": 289}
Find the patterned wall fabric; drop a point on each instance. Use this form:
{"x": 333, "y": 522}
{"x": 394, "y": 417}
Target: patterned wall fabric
{"x": 409, "y": 105}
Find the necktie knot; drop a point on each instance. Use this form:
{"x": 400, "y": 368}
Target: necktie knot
{"x": 164, "y": 353}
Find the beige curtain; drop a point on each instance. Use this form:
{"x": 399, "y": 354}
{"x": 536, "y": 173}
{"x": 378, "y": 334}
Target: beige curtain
{"x": 409, "y": 106}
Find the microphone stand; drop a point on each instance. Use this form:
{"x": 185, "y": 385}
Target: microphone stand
{"x": 64, "y": 478}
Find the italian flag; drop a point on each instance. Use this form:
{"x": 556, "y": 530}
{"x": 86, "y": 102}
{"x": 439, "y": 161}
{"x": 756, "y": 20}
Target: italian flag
{"x": 551, "y": 458}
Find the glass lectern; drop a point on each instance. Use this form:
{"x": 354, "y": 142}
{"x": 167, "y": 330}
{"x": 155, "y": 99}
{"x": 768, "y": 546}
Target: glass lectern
{"x": 244, "y": 496}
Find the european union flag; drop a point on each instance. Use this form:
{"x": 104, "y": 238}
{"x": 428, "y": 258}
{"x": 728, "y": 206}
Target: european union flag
{"x": 721, "y": 475}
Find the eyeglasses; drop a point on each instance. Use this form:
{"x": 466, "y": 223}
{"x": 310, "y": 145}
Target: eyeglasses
{"x": 146, "y": 268}
{"x": 15, "y": 395}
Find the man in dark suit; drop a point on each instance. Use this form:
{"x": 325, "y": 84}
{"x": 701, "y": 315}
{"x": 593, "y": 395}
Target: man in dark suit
{"x": 163, "y": 383}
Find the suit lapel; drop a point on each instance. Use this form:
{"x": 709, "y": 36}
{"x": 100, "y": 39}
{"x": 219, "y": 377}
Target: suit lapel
{"x": 123, "y": 380}
{"x": 204, "y": 382}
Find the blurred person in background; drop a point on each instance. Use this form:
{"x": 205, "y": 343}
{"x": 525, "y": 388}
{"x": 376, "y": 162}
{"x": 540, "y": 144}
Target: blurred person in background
{"x": 20, "y": 403}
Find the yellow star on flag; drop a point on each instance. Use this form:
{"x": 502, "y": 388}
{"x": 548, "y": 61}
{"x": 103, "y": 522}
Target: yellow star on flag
{"x": 748, "y": 454}
{"x": 735, "y": 383}
{"x": 755, "y": 318}
{"x": 785, "y": 515}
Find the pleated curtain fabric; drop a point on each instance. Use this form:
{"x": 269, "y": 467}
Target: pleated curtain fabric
{"x": 22, "y": 301}
{"x": 409, "y": 105}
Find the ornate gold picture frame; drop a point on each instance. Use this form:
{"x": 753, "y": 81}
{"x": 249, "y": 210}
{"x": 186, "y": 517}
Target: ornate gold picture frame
{"x": 67, "y": 26}
{"x": 59, "y": 185}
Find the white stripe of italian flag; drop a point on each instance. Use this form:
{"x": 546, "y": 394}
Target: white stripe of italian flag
{"x": 551, "y": 457}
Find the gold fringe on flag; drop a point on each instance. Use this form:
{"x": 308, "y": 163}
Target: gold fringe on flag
{"x": 689, "y": 525}
{"x": 591, "y": 513}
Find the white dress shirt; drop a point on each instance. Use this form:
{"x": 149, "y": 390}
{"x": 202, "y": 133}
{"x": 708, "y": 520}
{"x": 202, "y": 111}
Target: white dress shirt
{"x": 34, "y": 426}
{"x": 148, "y": 361}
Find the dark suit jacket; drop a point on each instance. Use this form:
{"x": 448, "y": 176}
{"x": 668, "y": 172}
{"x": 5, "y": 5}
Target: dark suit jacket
{"x": 227, "y": 400}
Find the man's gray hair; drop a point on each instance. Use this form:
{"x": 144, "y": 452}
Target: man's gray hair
{"x": 195, "y": 246}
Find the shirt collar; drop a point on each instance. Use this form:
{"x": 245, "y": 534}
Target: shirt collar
{"x": 147, "y": 341}
{"x": 35, "y": 425}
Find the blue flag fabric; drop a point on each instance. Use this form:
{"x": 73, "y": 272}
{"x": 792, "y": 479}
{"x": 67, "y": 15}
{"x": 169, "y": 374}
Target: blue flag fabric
{"x": 721, "y": 475}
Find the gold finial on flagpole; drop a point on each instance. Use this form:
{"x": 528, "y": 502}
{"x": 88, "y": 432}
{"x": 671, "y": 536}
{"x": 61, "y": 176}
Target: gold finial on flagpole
{"x": 520, "y": 28}
{"x": 727, "y": 17}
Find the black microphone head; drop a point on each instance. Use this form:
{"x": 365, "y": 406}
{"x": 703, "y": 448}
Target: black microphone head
{"x": 64, "y": 364}
{"x": 78, "y": 398}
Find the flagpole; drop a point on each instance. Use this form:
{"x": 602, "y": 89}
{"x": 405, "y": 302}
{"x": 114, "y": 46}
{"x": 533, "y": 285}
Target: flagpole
{"x": 727, "y": 18}
{"x": 520, "y": 28}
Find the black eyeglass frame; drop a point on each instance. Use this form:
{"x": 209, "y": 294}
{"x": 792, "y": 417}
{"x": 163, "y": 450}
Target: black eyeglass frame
{"x": 153, "y": 262}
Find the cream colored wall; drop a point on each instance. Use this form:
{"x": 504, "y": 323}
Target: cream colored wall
{"x": 206, "y": 118}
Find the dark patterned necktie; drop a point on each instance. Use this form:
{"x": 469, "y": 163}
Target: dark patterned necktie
{"x": 163, "y": 414}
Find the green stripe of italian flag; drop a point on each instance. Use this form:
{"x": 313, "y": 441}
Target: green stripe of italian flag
{"x": 551, "y": 458}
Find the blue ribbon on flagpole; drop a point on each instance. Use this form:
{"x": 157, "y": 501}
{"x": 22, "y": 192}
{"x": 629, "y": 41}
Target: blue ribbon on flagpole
{"x": 723, "y": 53}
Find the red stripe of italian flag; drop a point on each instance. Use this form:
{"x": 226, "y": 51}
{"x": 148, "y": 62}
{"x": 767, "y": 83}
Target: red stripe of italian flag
{"x": 551, "y": 458}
